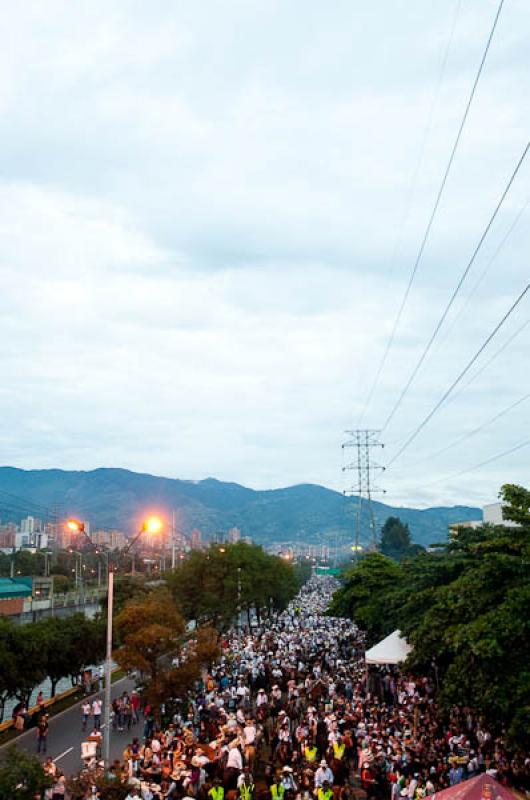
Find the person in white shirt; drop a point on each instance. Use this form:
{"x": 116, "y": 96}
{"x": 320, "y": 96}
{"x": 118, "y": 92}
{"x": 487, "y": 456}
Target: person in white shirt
{"x": 322, "y": 774}
{"x": 96, "y": 712}
{"x": 85, "y": 713}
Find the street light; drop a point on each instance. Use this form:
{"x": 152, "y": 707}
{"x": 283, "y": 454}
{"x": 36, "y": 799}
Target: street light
{"x": 152, "y": 525}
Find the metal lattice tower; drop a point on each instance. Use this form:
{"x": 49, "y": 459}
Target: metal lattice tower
{"x": 363, "y": 440}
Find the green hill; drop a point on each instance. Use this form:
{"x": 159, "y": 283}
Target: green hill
{"x": 118, "y": 498}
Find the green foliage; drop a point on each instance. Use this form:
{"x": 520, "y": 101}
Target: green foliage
{"x": 210, "y": 585}
{"x": 302, "y": 571}
{"x": 463, "y": 608}
{"x": 154, "y": 641}
{"x": 395, "y": 537}
{"x": 373, "y": 576}
{"x": 22, "y": 776}
{"x": 70, "y": 645}
{"x": 55, "y": 647}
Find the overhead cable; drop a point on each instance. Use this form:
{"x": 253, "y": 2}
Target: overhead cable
{"x": 457, "y": 380}
{"x": 456, "y": 290}
{"x": 472, "y": 432}
{"x": 436, "y": 204}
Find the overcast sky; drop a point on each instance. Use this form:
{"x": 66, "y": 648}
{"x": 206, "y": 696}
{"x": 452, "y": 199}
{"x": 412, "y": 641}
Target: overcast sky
{"x": 209, "y": 214}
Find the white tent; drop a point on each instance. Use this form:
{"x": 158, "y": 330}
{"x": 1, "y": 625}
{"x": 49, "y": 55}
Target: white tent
{"x": 391, "y": 650}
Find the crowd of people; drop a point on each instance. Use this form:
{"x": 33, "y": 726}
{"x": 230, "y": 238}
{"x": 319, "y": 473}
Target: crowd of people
{"x": 290, "y": 712}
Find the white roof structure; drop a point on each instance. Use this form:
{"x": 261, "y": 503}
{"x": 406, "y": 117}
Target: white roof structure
{"x": 392, "y": 650}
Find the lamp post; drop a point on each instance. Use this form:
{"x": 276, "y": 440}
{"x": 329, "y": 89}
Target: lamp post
{"x": 152, "y": 525}
{"x": 239, "y": 599}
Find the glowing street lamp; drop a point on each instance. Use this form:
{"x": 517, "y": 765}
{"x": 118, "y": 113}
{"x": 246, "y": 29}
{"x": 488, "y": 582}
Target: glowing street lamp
{"x": 152, "y": 525}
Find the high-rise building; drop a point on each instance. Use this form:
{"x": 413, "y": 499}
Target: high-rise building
{"x": 27, "y": 525}
{"x": 196, "y": 539}
{"x": 234, "y": 535}
{"x": 114, "y": 540}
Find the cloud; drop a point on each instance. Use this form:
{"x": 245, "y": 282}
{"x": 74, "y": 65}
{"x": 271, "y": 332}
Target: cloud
{"x": 208, "y": 223}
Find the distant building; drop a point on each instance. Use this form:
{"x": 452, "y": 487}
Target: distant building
{"x": 13, "y": 592}
{"x": 196, "y": 539}
{"x": 470, "y": 523}
{"x": 234, "y": 535}
{"x": 7, "y": 535}
{"x": 114, "y": 540}
{"x": 493, "y": 516}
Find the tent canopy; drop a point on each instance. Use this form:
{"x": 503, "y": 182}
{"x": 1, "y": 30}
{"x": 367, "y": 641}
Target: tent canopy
{"x": 482, "y": 787}
{"x": 391, "y": 650}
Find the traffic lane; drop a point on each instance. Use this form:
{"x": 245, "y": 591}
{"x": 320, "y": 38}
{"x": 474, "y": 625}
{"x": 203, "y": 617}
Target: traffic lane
{"x": 65, "y": 733}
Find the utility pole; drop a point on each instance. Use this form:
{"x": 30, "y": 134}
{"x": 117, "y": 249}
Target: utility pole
{"x": 363, "y": 441}
{"x": 173, "y": 540}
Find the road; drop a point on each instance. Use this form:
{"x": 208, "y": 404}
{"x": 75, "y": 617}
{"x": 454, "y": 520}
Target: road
{"x": 65, "y": 735}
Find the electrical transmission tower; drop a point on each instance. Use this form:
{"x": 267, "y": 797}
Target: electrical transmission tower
{"x": 364, "y": 440}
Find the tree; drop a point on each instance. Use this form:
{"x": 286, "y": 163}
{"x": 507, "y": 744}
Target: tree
{"x": 395, "y": 538}
{"x": 155, "y": 641}
{"x": 211, "y": 586}
{"x": 464, "y": 609}
{"x": 151, "y": 631}
{"x": 22, "y": 776}
{"x": 364, "y": 594}
{"x": 71, "y": 645}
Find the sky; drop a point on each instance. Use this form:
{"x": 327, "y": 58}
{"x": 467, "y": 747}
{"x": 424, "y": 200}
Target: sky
{"x": 209, "y": 215}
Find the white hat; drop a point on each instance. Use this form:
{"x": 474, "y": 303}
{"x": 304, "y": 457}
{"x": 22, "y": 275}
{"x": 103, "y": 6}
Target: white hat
{"x": 323, "y": 763}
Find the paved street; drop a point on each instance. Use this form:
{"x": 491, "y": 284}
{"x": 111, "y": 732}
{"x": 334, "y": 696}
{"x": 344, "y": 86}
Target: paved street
{"x": 66, "y": 735}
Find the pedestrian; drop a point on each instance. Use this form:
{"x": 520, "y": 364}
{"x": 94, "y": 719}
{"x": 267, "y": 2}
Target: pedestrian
{"x": 42, "y": 734}
{"x": 85, "y": 713}
{"x": 96, "y": 712}
{"x": 59, "y": 787}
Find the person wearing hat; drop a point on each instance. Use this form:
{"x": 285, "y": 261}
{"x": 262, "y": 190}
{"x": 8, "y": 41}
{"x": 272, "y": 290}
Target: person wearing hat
{"x": 323, "y": 774}
{"x": 287, "y": 780}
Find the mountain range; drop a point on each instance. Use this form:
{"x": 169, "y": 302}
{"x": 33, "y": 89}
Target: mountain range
{"x": 118, "y": 498}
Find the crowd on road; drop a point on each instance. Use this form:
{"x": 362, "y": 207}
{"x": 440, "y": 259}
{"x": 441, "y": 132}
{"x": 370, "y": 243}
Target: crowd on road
{"x": 290, "y": 712}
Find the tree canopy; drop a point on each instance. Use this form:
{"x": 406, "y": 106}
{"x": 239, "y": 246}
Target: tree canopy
{"x": 464, "y": 608}
{"x": 22, "y": 776}
{"x": 154, "y": 641}
{"x": 396, "y": 541}
{"x": 211, "y": 586}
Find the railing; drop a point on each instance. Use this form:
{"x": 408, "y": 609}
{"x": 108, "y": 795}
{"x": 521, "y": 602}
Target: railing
{"x": 9, "y": 723}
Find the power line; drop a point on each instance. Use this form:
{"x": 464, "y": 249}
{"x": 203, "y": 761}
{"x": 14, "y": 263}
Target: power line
{"x": 492, "y": 459}
{"x": 413, "y": 185}
{"x": 457, "y": 289}
{"x": 457, "y": 380}
{"x": 490, "y": 360}
{"x": 436, "y": 204}
{"x": 473, "y": 432}
{"x": 484, "y": 463}
{"x": 486, "y": 269}
{"x": 474, "y": 467}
